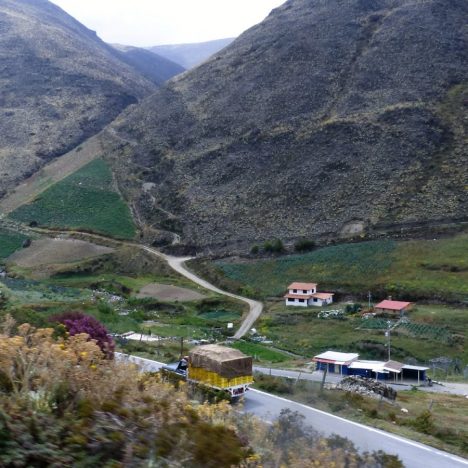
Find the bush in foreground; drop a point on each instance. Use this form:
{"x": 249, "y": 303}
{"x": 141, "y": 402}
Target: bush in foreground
{"x": 78, "y": 322}
{"x": 63, "y": 404}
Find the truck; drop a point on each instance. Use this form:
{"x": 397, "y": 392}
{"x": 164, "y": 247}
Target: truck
{"x": 217, "y": 367}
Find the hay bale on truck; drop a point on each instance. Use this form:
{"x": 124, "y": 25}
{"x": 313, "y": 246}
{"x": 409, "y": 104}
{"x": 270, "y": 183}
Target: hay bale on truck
{"x": 220, "y": 367}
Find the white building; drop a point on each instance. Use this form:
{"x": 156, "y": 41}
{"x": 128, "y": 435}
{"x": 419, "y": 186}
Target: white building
{"x": 305, "y": 294}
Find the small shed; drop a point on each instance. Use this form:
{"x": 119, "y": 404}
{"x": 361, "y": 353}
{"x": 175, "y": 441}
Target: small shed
{"x": 334, "y": 361}
{"x": 399, "y": 372}
{"x": 393, "y": 307}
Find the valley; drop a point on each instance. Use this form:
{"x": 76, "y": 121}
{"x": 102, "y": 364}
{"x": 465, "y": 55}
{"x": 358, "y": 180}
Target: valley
{"x": 172, "y": 199}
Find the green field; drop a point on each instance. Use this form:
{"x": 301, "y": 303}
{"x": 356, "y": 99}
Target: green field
{"x": 220, "y": 315}
{"x": 261, "y": 353}
{"x": 85, "y": 200}
{"x": 422, "y": 268}
{"x": 435, "y": 331}
{"x": 9, "y": 242}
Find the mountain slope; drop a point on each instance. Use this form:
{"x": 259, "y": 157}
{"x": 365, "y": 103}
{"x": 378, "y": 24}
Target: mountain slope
{"x": 152, "y": 66}
{"x": 329, "y": 118}
{"x": 59, "y": 84}
{"x": 190, "y": 55}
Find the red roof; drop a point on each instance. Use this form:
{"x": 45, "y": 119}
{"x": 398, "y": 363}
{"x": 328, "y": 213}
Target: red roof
{"x": 304, "y": 286}
{"x": 392, "y": 305}
{"x": 298, "y": 296}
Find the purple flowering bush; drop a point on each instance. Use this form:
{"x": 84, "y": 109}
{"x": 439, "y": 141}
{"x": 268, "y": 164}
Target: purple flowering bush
{"x": 78, "y": 322}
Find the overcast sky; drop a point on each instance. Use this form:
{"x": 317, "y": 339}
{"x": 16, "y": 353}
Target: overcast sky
{"x": 154, "y": 22}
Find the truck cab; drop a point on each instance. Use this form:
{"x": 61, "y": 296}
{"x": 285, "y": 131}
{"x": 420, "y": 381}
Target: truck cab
{"x": 179, "y": 368}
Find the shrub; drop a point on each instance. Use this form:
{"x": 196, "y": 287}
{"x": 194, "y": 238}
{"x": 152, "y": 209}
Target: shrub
{"x": 71, "y": 407}
{"x": 273, "y": 384}
{"x": 424, "y": 423}
{"x": 254, "y": 250}
{"x": 62, "y": 404}
{"x": 353, "y": 308}
{"x": 78, "y": 322}
{"x": 275, "y": 246}
{"x": 304, "y": 245}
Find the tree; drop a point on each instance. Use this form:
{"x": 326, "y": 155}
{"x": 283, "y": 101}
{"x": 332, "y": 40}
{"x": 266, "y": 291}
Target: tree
{"x": 78, "y": 322}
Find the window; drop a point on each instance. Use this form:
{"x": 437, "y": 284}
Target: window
{"x": 315, "y": 299}
{"x": 290, "y": 300}
{"x": 301, "y": 300}
{"x": 294, "y": 290}
{"x": 304, "y": 291}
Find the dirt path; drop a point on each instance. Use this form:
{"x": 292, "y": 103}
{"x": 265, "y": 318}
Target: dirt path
{"x": 178, "y": 264}
{"x": 52, "y": 173}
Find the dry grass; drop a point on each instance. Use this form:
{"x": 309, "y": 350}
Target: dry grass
{"x": 165, "y": 292}
{"x": 57, "y": 251}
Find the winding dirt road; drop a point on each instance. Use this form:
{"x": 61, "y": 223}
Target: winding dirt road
{"x": 178, "y": 264}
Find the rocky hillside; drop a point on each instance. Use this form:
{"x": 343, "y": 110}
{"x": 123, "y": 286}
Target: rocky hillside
{"x": 152, "y": 66}
{"x": 190, "y": 55}
{"x": 330, "y": 118}
{"x": 59, "y": 84}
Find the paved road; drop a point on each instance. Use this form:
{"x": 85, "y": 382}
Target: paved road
{"x": 317, "y": 376}
{"x": 413, "y": 454}
{"x": 268, "y": 407}
{"x": 178, "y": 264}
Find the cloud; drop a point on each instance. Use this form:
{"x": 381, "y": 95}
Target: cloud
{"x": 153, "y": 22}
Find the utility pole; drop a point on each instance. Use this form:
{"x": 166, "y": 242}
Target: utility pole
{"x": 387, "y": 334}
{"x": 323, "y": 378}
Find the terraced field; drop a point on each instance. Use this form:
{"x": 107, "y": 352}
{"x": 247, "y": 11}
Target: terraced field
{"x": 86, "y": 200}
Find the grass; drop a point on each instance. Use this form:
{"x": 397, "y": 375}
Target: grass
{"x": 10, "y": 242}
{"x": 412, "y": 269}
{"x": 220, "y": 315}
{"x": 260, "y": 353}
{"x": 29, "y": 292}
{"x": 447, "y": 417}
{"x": 85, "y": 200}
{"x": 301, "y": 332}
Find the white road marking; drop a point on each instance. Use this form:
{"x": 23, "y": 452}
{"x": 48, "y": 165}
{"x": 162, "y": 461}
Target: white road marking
{"x": 362, "y": 426}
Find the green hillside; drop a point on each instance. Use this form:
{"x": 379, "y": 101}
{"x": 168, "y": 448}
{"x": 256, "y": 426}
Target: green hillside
{"x": 85, "y": 200}
{"x": 419, "y": 268}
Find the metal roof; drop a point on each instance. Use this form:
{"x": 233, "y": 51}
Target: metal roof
{"x": 393, "y": 366}
{"x": 336, "y": 357}
{"x": 375, "y": 366}
{"x": 410, "y": 367}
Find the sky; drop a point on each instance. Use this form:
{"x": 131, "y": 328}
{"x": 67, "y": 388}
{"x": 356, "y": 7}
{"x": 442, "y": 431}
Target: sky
{"x": 154, "y": 22}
